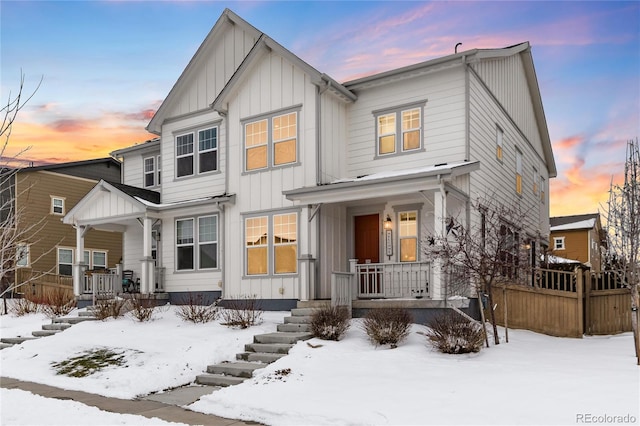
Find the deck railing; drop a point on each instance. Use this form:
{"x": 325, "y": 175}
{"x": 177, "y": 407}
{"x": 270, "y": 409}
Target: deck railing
{"x": 342, "y": 291}
{"x": 393, "y": 280}
{"x": 101, "y": 283}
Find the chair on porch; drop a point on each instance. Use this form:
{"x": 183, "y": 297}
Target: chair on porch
{"x": 128, "y": 284}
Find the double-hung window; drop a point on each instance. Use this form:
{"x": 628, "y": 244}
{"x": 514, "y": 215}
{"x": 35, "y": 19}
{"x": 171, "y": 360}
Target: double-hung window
{"x": 271, "y": 244}
{"x": 197, "y": 243}
{"x": 536, "y": 181}
{"x": 558, "y": 243}
{"x": 499, "y": 142}
{"x": 399, "y": 130}
{"x": 65, "y": 261}
{"x": 149, "y": 172}
{"x": 57, "y": 205}
{"x": 518, "y": 171}
{"x": 99, "y": 259}
{"x": 22, "y": 255}
{"x": 197, "y": 156}
{"x": 271, "y": 141}
{"x": 408, "y": 235}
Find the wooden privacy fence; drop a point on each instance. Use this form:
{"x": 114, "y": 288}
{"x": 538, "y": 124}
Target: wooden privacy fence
{"x": 565, "y": 304}
{"x": 38, "y": 284}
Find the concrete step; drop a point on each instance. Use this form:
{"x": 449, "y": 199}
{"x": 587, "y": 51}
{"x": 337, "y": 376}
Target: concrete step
{"x": 293, "y": 327}
{"x": 275, "y": 348}
{"x": 264, "y": 357}
{"x": 86, "y": 313}
{"x": 281, "y": 337}
{"x": 303, "y": 312}
{"x": 59, "y": 326}
{"x": 73, "y": 320}
{"x": 314, "y": 304}
{"x": 235, "y": 369}
{"x": 297, "y": 320}
{"x": 16, "y": 340}
{"x": 45, "y": 333}
{"x": 5, "y": 345}
{"x": 218, "y": 380}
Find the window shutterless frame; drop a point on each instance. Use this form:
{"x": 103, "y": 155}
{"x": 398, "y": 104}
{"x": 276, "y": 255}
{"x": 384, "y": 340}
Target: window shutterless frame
{"x": 399, "y": 130}
{"x": 196, "y": 243}
{"x": 196, "y": 152}
{"x": 271, "y": 140}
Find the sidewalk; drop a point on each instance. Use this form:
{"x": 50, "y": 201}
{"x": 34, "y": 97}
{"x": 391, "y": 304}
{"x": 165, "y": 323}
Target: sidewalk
{"x": 147, "y": 408}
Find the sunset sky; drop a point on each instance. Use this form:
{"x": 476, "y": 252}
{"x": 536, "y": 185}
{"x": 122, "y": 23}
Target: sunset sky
{"x": 107, "y": 65}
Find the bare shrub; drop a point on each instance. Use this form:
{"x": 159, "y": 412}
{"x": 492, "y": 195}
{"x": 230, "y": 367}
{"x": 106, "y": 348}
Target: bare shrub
{"x": 451, "y": 333}
{"x": 242, "y": 312}
{"x": 142, "y": 308}
{"x": 111, "y": 308}
{"x": 387, "y": 325}
{"x": 330, "y": 323}
{"x": 57, "y": 302}
{"x": 195, "y": 309}
{"x": 23, "y": 306}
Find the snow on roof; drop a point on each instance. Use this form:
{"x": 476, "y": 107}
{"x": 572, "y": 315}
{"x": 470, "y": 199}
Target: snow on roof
{"x": 583, "y": 224}
{"x": 558, "y": 259}
{"x": 404, "y": 172}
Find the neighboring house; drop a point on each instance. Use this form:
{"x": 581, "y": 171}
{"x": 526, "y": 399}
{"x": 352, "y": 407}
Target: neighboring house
{"x": 579, "y": 237}
{"x": 41, "y": 196}
{"x": 272, "y": 176}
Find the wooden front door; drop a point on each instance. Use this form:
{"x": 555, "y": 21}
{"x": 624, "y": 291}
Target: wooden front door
{"x": 367, "y": 238}
{"x": 367, "y": 251}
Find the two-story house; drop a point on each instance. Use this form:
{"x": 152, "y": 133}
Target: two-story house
{"x": 37, "y": 199}
{"x": 579, "y": 237}
{"x": 271, "y": 177}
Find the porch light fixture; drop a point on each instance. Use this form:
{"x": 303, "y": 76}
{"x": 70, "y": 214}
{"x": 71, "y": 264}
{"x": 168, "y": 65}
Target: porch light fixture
{"x": 387, "y": 223}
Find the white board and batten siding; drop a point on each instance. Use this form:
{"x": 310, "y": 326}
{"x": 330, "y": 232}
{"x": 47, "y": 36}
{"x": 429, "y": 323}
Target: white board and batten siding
{"x": 497, "y": 179}
{"x": 133, "y": 167}
{"x": 333, "y": 138}
{"x": 274, "y": 85}
{"x": 443, "y": 125}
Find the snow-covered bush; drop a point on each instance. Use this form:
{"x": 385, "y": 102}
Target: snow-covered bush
{"x": 242, "y": 312}
{"x": 330, "y": 323}
{"x": 451, "y": 333}
{"x": 387, "y": 325}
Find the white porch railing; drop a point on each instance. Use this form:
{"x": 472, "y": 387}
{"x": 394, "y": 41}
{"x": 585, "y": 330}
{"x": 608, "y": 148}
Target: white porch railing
{"x": 97, "y": 283}
{"x": 342, "y": 290}
{"x": 159, "y": 275}
{"x": 393, "y": 280}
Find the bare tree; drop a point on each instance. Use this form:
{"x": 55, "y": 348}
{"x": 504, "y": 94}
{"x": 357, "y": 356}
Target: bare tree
{"x": 15, "y": 231}
{"x": 623, "y": 228}
{"x": 486, "y": 252}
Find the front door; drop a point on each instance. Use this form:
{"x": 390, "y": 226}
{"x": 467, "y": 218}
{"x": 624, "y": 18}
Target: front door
{"x": 367, "y": 250}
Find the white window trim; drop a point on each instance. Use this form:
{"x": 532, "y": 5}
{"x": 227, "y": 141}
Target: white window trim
{"x": 23, "y": 250}
{"x": 399, "y": 132}
{"x": 152, "y": 172}
{"x": 195, "y": 154}
{"x": 499, "y": 143}
{"x": 558, "y": 243}
{"x": 270, "y": 244}
{"x": 55, "y": 198}
{"x": 106, "y": 258}
{"x": 196, "y": 243}
{"x": 270, "y": 141}
{"x": 519, "y": 178}
{"x": 58, "y": 263}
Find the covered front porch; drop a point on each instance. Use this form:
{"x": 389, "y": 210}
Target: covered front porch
{"x": 371, "y": 233}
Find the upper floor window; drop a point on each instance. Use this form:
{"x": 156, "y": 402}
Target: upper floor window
{"x": 65, "y": 261}
{"x": 558, "y": 243}
{"x": 200, "y": 157}
{"x": 542, "y": 189}
{"x": 271, "y": 141}
{"x": 518, "y": 171}
{"x": 536, "y": 180}
{"x": 149, "y": 172}
{"x": 271, "y": 244}
{"x": 57, "y": 205}
{"x": 499, "y": 142}
{"x": 22, "y": 255}
{"x": 399, "y": 130}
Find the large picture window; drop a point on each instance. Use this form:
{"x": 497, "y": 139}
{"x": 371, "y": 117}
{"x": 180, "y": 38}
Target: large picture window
{"x": 399, "y": 130}
{"x": 197, "y": 243}
{"x": 271, "y": 244}
{"x": 271, "y": 141}
{"x": 197, "y": 156}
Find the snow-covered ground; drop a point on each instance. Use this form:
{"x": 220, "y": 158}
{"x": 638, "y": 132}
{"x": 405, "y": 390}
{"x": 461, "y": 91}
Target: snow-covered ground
{"x": 533, "y": 379}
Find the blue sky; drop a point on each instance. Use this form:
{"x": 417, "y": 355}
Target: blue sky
{"x": 107, "y": 66}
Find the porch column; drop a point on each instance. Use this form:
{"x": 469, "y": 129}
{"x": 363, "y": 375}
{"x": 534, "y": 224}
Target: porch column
{"x": 147, "y": 270}
{"x": 307, "y": 277}
{"x": 440, "y": 214}
{"x": 78, "y": 264}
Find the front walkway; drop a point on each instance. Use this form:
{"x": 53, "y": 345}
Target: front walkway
{"x": 146, "y": 408}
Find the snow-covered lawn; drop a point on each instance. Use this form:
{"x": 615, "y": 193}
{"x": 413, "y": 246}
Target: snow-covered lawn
{"x": 533, "y": 379}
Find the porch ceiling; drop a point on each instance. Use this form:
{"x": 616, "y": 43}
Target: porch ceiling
{"x": 386, "y": 184}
